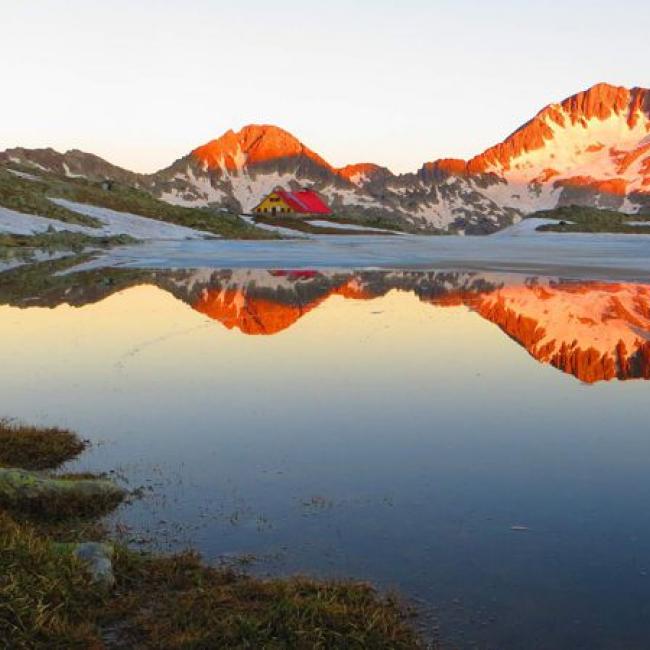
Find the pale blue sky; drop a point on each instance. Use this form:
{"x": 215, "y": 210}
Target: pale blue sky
{"x": 397, "y": 83}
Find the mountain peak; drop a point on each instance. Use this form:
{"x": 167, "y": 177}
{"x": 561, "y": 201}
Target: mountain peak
{"x": 601, "y": 108}
{"x": 360, "y": 173}
{"x": 254, "y": 144}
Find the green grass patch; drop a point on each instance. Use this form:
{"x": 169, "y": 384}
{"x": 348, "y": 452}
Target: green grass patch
{"x": 575, "y": 218}
{"x": 37, "y": 448}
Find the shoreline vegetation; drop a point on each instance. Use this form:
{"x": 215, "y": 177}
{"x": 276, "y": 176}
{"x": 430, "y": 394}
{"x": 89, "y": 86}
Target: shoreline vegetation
{"x": 576, "y": 218}
{"x": 65, "y": 584}
{"x": 63, "y": 240}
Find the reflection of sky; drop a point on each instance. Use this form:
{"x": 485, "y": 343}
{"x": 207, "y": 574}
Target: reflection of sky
{"x": 428, "y": 431}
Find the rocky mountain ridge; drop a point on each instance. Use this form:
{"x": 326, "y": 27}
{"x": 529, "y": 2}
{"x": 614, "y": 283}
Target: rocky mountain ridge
{"x": 591, "y": 149}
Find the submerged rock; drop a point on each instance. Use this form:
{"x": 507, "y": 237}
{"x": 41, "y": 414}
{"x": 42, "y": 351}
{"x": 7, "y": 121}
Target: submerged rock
{"x": 57, "y": 497}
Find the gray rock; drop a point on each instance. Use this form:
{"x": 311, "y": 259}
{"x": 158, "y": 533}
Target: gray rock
{"x": 99, "y": 559}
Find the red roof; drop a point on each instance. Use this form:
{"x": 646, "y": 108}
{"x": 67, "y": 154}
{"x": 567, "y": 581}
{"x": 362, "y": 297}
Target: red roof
{"x": 304, "y": 202}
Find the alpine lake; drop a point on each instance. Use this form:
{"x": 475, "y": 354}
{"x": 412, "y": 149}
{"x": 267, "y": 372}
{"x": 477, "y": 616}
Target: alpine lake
{"x": 475, "y": 439}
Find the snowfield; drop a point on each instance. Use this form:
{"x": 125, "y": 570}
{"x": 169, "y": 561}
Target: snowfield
{"x": 114, "y": 223}
{"x": 318, "y": 223}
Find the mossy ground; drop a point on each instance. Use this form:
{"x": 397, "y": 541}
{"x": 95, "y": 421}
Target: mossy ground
{"x": 48, "y": 600}
{"x": 575, "y": 218}
{"x": 55, "y": 498}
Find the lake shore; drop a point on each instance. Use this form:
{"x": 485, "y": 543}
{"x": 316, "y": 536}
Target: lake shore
{"x": 58, "y": 594}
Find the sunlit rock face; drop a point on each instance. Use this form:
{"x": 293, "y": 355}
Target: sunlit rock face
{"x": 593, "y": 148}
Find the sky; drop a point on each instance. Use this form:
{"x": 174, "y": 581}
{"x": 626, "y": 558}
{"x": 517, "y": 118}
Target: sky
{"x": 396, "y": 83}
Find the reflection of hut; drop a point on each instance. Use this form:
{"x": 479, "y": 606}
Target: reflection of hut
{"x": 302, "y": 202}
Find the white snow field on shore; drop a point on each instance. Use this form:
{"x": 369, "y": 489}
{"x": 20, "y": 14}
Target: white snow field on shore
{"x": 323, "y": 223}
{"x": 114, "y": 223}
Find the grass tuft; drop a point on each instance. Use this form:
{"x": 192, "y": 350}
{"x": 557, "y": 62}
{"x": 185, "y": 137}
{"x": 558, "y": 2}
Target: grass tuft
{"x": 576, "y": 218}
{"x": 37, "y": 448}
{"x": 47, "y": 600}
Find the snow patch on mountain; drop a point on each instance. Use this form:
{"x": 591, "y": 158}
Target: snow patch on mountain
{"x": 113, "y": 223}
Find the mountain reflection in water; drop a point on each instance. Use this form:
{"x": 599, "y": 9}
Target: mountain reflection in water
{"x": 592, "y": 330}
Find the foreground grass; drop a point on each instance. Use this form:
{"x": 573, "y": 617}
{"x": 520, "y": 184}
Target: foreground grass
{"x": 48, "y": 600}
{"x": 576, "y": 218}
{"x": 176, "y": 602}
{"x": 32, "y": 197}
{"x": 37, "y": 448}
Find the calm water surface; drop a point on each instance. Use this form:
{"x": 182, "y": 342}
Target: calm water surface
{"x": 477, "y": 441}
